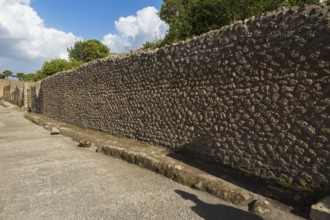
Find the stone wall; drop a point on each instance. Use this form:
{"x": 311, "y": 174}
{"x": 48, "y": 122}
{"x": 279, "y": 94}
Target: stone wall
{"x": 3, "y": 84}
{"x": 16, "y": 92}
{"x": 35, "y": 100}
{"x": 253, "y": 95}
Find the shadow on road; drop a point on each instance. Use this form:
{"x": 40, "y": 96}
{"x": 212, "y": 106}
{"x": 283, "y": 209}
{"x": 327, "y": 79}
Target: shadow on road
{"x": 216, "y": 212}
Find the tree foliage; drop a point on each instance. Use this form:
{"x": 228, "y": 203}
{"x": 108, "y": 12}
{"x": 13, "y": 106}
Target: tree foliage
{"x": 151, "y": 44}
{"x": 25, "y": 76}
{"x": 49, "y": 68}
{"x": 170, "y": 9}
{"x": 187, "y": 18}
{"x": 57, "y": 65}
{"x": 89, "y": 50}
{"x": 81, "y": 52}
{"x": 53, "y": 66}
{"x": 2, "y": 76}
{"x": 7, "y": 73}
{"x": 19, "y": 76}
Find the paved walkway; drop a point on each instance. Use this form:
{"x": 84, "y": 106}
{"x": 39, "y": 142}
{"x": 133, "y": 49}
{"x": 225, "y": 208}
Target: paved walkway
{"x": 49, "y": 177}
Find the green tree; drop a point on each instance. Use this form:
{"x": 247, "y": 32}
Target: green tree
{"x": 25, "y": 77}
{"x": 187, "y": 18}
{"x": 38, "y": 76}
{"x": 89, "y": 50}
{"x": 57, "y": 65}
{"x": 51, "y": 67}
{"x": 7, "y": 73}
{"x": 19, "y": 76}
{"x": 28, "y": 77}
{"x": 2, "y": 76}
{"x": 170, "y": 9}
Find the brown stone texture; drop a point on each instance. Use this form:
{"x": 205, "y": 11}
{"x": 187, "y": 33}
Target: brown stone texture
{"x": 253, "y": 95}
{"x": 17, "y": 92}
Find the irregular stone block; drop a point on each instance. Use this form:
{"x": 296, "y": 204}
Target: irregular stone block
{"x": 321, "y": 210}
{"x": 54, "y": 131}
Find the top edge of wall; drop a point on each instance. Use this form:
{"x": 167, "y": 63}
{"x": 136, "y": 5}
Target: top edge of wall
{"x": 279, "y": 11}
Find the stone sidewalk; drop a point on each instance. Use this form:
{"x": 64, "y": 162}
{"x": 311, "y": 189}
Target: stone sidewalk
{"x": 45, "y": 176}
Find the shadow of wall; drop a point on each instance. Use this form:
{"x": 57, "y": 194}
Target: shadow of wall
{"x": 27, "y": 94}
{"x": 35, "y": 98}
{"x": 215, "y": 211}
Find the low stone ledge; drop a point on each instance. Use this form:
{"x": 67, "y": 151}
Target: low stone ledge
{"x": 152, "y": 158}
{"x": 3, "y": 104}
{"x": 6, "y": 104}
{"x": 183, "y": 174}
{"x": 321, "y": 210}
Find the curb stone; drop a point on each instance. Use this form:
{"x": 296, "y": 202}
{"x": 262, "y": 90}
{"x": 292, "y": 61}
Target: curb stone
{"x": 153, "y": 158}
{"x": 321, "y": 210}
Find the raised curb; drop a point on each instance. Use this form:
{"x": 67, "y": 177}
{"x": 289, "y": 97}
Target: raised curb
{"x": 153, "y": 158}
{"x": 157, "y": 159}
{"x": 9, "y": 105}
{"x": 3, "y": 104}
{"x": 321, "y": 210}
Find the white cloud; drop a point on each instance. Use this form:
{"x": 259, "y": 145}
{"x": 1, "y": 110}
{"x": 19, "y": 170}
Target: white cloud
{"x": 133, "y": 31}
{"x": 24, "y": 40}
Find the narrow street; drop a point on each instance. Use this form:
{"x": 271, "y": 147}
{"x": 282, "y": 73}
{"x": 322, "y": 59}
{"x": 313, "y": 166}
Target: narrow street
{"x": 45, "y": 176}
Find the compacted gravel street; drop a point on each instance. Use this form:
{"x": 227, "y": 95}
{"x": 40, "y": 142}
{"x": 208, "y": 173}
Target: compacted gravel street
{"x": 45, "y": 176}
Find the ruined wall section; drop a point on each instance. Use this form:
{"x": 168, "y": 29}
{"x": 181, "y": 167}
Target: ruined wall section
{"x": 253, "y": 95}
{"x": 35, "y": 99}
{"x": 3, "y": 83}
{"x": 15, "y": 92}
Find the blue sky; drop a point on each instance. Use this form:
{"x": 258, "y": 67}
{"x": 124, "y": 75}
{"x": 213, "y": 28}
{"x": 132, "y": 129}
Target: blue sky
{"x": 90, "y": 19}
{"x": 33, "y": 31}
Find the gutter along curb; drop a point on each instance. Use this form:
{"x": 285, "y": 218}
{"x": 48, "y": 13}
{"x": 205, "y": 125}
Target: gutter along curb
{"x": 153, "y": 158}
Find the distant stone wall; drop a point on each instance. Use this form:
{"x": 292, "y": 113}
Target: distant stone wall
{"x": 3, "y": 83}
{"x": 15, "y": 92}
{"x": 253, "y": 95}
{"x": 35, "y": 98}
